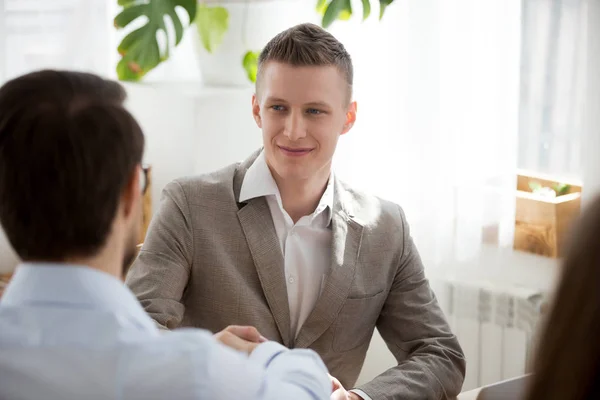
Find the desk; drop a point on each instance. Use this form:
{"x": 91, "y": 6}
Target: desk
{"x": 470, "y": 395}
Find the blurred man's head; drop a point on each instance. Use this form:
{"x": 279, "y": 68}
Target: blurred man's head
{"x": 303, "y": 100}
{"x": 70, "y": 174}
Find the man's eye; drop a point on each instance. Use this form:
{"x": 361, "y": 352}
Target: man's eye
{"x": 277, "y": 108}
{"x": 313, "y": 111}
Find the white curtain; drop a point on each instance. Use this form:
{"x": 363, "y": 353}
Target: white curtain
{"x": 75, "y": 34}
{"x": 553, "y": 82}
{"x": 437, "y": 85}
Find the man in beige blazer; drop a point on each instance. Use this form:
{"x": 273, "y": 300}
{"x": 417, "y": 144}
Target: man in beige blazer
{"x": 277, "y": 242}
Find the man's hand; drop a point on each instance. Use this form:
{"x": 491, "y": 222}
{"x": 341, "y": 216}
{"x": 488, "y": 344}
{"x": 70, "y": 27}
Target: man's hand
{"x": 241, "y": 338}
{"x": 339, "y": 393}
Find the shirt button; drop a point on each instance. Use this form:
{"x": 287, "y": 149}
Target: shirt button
{"x": 291, "y": 279}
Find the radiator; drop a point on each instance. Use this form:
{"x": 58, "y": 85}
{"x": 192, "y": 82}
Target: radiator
{"x": 495, "y": 326}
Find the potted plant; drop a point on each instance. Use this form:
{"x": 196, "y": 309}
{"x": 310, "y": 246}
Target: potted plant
{"x": 545, "y": 210}
{"x": 229, "y": 33}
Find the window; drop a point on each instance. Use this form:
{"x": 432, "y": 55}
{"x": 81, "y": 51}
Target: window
{"x": 553, "y": 58}
{"x": 38, "y": 34}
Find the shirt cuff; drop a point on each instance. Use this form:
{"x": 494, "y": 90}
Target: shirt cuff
{"x": 361, "y": 394}
{"x": 265, "y": 353}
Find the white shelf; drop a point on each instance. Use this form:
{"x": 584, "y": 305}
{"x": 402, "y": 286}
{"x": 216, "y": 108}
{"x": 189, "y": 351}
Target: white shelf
{"x": 503, "y": 269}
{"x": 189, "y": 88}
{"x": 191, "y": 129}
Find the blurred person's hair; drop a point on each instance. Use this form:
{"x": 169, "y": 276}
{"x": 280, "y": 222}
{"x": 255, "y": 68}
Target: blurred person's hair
{"x": 567, "y": 362}
{"x": 307, "y": 45}
{"x": 68, "y": 148}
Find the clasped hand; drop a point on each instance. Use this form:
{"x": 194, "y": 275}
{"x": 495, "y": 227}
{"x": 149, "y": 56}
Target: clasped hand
{"x": 247, "y": 338}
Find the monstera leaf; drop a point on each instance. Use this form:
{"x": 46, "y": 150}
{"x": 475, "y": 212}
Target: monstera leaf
{"x": 335, "y": 9}
{"x": 332, "y": 10}
{"x": 366, "y": 9}
{"x": 382, "y": 6}
{"x": 140, "y": 50}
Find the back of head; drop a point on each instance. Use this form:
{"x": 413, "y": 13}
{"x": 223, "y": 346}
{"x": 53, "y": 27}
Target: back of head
{"x": 67, "y": 150}
{"x": 307, "y": 45}
{"x": 567, "y": 365}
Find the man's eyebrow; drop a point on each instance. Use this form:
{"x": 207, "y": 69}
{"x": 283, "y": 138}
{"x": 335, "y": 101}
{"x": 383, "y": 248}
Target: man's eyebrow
{"x": 275, "y": 100}
{"x": 318, "y": 104}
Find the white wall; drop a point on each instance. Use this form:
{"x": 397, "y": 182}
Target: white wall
{"x": 190, "y": 129}
{"x": 167, "y": 120}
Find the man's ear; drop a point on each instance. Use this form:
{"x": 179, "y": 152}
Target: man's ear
{"x": 132, "y": 193}
{"x": 256, "y": 111}
{"x": 350, "y": 117}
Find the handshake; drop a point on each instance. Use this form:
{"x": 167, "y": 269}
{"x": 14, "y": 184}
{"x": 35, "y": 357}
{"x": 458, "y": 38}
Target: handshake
{"x": 247, "y": 338}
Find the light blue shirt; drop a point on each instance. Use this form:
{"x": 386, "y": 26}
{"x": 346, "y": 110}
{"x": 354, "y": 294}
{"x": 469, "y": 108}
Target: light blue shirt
{"x": 72, "y": 332}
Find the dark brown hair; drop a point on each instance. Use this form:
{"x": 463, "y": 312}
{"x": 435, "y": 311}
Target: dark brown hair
{"x": 307, "y": 45}
{"x": 68, "y": 148}
{"x": 567, "y": 363}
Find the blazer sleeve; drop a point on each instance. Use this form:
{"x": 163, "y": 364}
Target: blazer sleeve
{"x": 431, "y": 363}
{"x": 161, "y": 271}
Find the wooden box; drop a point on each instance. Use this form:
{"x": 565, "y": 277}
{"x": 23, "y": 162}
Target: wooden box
{"x": 146, "y": 205}
{"x": 4, "y": 278}
{"x": 543, "y": 223}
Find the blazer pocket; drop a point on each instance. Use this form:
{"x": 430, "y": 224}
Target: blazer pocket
{"x": 356, "y": 321}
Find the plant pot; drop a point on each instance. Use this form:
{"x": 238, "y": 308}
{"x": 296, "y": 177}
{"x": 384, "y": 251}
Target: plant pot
{"x": 543, "y": 224}
{"x": 252, "y": 23}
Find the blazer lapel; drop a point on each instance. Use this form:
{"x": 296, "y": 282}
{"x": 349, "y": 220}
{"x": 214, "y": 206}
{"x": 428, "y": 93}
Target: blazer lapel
{"x": 347, "y": 235}
{"x": 257, "y": 225}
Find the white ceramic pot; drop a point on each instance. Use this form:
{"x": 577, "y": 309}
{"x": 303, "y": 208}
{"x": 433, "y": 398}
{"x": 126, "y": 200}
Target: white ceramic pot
{"x": 252, "y": 23}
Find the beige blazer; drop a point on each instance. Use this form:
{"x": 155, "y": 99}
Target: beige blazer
{"x": 209, "y": 261}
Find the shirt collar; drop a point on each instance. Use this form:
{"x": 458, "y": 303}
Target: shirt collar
{"x": 259, "y": 182}
{"x": 73, "y": 286}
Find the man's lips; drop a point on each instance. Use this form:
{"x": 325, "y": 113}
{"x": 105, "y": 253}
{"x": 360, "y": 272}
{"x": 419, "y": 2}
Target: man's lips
{"x": 295, "y": 151}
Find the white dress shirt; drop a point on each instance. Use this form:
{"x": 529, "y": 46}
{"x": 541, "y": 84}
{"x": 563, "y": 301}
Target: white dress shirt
{"x": 305, "y": 245}
{"x": 71, "y": 332}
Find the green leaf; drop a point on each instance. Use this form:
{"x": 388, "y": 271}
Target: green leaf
{"x": 139, "y": 50}
{"x": 321, "y": 7}
{"x": 124, "y": 3}
{"x": 190, "y": 8}
{"x": 177, "y": 26}
{"x": 535, "y": 186}
{"x": 250, "y": 64}
{"x": 382, "y": 6}
{"x": 561, "y": 188}
{"x": 129, "y": 14}
{"x": 335, "y": 10}
{"x": 346, "y": 12}
{"x": 129, "y": 40}
{"x": 212, "y": 23}
{"x": 366, "y": 9}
